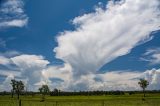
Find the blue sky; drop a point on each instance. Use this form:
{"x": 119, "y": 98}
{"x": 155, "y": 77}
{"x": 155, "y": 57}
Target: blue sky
{"x": 46, "y": 20}
{"x": 75, "y": 38}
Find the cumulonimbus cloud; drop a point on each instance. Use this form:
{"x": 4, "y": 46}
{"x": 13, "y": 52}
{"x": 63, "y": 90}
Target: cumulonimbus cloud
{"x": 99, "y": 37}
{"x": 25, "y": 67}
{"x": 106, "y": 34}
{"x": 30, "y": 67}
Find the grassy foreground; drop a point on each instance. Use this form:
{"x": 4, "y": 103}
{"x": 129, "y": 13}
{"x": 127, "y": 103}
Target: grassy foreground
{"x": 108, "y": 100}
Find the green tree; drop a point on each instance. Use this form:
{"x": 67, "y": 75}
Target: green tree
{"x": 13, "y": 84}
{"x": 56, "y": 92}
{"x": 143, "y": 84}
{"x": 17, "y": 86}
{"x": 44, "y": 89}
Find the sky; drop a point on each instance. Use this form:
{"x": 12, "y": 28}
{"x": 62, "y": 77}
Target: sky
{"x": 80, "y": 45}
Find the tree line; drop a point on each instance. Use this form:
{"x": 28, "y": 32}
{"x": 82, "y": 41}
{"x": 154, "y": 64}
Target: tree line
{"x": 18, "y": 88}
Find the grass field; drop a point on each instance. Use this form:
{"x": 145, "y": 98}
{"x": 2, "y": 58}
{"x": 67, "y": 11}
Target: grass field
{"x": 108, "y": 100}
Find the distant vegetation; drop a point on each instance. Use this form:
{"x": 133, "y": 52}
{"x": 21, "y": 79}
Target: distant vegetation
{"x": 83, "y": 93}
{"x": 44, "y": 90}
{"x": 57, "y": 97}
{"x": 18, "y": 88}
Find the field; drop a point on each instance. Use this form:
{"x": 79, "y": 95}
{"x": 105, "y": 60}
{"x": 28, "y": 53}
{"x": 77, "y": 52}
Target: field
{"x": 104, "y": 100}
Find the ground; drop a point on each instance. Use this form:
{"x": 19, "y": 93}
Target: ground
{"x": 104, "y": 100}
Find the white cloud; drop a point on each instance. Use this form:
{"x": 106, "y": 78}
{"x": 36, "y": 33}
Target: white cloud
{"x": 153, "y": 76}
{"x": 13, "y": 23}
{"x": 27, "y": 68}
{"x": 31, "y": 67}
{"x": 62, "y": 72}
{"x": 30, "y": 61}
{"x": 6, "y": 86}
{"x": 4, "y": 60}
{"x": 99, "y": 38}
{"x": 106, "y": 34}
{"x": 113, "y": 80}
{"x": 12, "y": 14}
{"x": 35, "y": 71}
{"x": 5, "y": 57}
{"x": 6, "y": 73}
{"x": 152, "y": 56}
{"x": 10, "y": 53}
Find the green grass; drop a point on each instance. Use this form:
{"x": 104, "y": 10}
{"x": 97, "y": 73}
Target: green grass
{"x": 108, "y": 100}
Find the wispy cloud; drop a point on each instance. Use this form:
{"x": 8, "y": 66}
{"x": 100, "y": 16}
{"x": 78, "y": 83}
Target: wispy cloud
{"x": 152, "y": 56}
{"x": 5, "y": 57}
{"x": 104, "y": 35}
{"x": 4, "y": 60}
{"x": 12, "y": 14}
{"x": 99, "y": 38}
{"x": 2, "y": 43}
{"x": 10, "y": 53}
